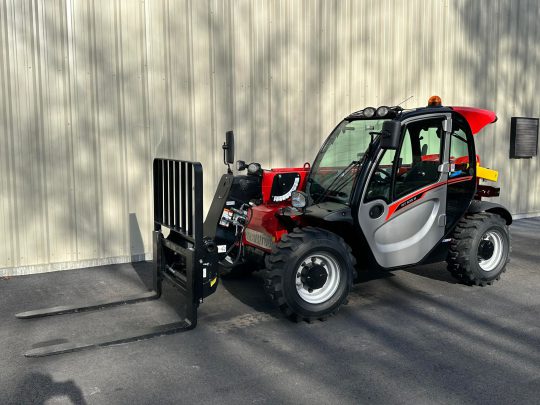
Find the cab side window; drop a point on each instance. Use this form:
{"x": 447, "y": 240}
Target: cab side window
{"x": 461, "y": 156}
{"x": 419, "y": 157}
{"x": 380, "y": 184}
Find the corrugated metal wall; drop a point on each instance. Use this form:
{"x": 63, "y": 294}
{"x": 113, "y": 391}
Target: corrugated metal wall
{"x": 92, "y": 90}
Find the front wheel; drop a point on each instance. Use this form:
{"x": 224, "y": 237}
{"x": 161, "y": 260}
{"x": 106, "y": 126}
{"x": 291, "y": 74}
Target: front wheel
{"x": 309, "y": 273}
{"x": 480, "y": 249}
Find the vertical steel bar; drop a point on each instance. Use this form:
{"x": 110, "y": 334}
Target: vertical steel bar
{"x": 197, "y": 280}
{"x": 170, "y": 164}
{"x": 190, "y": 199}
{"x": 183, "y": 196}
{"x": 198, "y": 201}
{"x": 165, "y": 193}
{"x": 177, "y": 194}
{"x": 158, "y": 217}
{"x": 158, "y": 262}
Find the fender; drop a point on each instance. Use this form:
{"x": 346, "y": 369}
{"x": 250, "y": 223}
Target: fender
{"x": 487, "y": 206}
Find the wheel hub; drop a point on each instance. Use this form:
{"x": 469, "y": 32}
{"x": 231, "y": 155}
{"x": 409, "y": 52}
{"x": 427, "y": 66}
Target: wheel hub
{"x": 314, "y": 276}
{"x": 317, "y": 277}
{"x": 490, "y": 250}
{"x": 486, "y": 249}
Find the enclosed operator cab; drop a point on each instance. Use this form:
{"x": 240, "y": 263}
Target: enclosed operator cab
{"x": 404, "y": 198}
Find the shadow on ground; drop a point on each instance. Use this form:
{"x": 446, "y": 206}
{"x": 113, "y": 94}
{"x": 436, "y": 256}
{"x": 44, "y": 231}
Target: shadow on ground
{"x": 44, "y": 388}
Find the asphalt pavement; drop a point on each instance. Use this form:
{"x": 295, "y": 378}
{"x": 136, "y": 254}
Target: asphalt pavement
{"x": 413, "y": 336}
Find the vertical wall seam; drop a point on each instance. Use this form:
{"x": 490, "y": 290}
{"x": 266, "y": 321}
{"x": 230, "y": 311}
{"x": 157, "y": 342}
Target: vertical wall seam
{"x": 189, "y": 55}
{"x": 72, "y": 94}
{"x": 12, "y": 178}
{"x": 96, "y": 126}
{"x": 40, "y": 129}
{"x": 121, "y": 124}
{"x": 251, "y": 78}
{"x": 211, "y": 80}
{"x": 6, "y": 114}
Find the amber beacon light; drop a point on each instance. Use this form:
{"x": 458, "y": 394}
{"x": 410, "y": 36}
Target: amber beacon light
{"x": 434, "y": 101}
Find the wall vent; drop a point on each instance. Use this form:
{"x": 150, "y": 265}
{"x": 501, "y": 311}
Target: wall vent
{"x": 523, "y": 137}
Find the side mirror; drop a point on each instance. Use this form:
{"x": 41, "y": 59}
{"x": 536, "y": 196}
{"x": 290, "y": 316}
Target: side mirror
{"x": 390, "y": 134}
{"x": 228, "y": 148}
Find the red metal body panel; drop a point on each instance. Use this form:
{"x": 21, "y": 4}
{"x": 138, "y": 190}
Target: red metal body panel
{"x": 476, "y": 117}
{"x": 268, "y": 179}
{"x": 263, "y": 217}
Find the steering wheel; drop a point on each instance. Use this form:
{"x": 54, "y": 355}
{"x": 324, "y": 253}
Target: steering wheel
{"x": 379, "y": 183}
{"x": 386, "y": 173}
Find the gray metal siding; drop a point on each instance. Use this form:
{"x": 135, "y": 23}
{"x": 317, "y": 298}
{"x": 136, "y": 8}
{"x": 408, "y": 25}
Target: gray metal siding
{"x": 92, "y": 90}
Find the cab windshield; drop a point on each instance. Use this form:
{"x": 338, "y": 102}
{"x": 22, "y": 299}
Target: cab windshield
{"x": 339, "y": 160}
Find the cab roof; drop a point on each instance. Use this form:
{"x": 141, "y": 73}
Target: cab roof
{"x": 477, "y": 118}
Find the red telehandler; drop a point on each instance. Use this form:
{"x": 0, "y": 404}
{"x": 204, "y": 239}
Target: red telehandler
{"x": 389, "y": 188}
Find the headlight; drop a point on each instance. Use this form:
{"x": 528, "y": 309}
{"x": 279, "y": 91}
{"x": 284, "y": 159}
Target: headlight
{"x": 240, "y": 165}
{"x": 369, "y": 112}
{"x": 254, "y": 168}
{"x": 382, "y": 111}
{"x": 298, "y": 199}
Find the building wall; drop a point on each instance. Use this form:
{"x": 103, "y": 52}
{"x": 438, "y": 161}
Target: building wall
{"x": 92, "y": 90}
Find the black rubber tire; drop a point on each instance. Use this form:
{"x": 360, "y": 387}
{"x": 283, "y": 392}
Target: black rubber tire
{"x": 463, "y": 253}
{"x": 283, "y": 262}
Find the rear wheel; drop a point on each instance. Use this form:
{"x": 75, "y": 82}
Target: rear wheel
{"x": 309, "y": 273}
{"x": 480, "y": 249}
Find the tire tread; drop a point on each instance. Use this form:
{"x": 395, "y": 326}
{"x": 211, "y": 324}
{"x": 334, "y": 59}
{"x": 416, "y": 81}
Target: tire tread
{"x": 274, "y": 267}
{"x": 458, "y": 261}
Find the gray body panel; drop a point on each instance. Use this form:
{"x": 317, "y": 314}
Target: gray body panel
{"x": 411, "y": 232}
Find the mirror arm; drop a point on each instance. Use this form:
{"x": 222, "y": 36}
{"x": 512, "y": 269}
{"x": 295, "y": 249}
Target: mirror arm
{"x": 225, "y": 148}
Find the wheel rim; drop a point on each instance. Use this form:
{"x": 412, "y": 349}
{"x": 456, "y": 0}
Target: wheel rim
{"x": 490, "y": 250}
{"x": 317, "y": 278}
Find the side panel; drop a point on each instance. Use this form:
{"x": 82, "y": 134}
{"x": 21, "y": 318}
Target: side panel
{"x": 402, "y": 236}
{"x": 264, "y": 228}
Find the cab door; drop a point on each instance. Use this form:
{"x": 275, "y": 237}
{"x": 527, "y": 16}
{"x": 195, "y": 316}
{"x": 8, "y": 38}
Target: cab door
{"x": 462, "y": 171}
{"x": 403, "y": 208}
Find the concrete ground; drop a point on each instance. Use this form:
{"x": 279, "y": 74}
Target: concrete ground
{"x": 413, "y": 336}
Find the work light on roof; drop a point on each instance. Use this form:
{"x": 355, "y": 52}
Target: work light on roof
{"x": 369, "y": 112}
{"x": 382, "y": 111}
